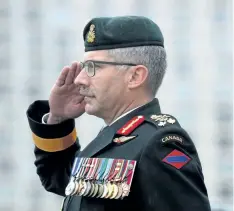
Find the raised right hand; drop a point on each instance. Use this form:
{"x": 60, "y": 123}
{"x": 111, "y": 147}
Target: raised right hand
{"x": 65, "y": 101}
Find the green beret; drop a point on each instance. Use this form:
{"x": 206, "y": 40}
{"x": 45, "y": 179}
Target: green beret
{"x": 119, "y": 32}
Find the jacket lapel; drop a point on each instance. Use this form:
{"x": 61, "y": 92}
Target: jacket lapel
{"x": 104, "y": 138}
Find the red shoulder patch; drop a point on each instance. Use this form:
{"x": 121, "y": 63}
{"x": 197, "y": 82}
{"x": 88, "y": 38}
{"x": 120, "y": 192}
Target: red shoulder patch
{"x": 177, "y": 159}
{"x": 131, "y": 125}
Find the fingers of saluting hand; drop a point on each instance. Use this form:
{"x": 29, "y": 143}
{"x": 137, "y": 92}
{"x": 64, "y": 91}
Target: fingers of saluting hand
{"x": 71, "y": 74}
{"x": 68, "y": 74}
{"x": 62, "y": 77}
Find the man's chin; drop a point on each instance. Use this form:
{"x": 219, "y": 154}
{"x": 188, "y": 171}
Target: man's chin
{"x": 89, "y": 109}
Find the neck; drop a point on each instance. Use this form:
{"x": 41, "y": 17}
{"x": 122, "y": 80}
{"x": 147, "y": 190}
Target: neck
{"x": 124, "y": 109}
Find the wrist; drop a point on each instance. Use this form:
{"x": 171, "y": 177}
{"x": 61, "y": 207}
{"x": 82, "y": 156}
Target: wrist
{"x": 53, "y": 119}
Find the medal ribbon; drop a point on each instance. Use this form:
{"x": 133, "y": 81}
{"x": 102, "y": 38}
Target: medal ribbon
{"x": 100, "y": 176}
{"x": 130, "y": 172}
{"x": 75, "y": 166}
{"x": 108, "y": 168}
{"x": 91, "y": 167}
{"x": 117, "y": 168}
{"x": 112, "y": 169}
{"x": 125, "y": 171}
{"x": 101, "y": 161}
{"x": 95, "y": 172}
{"x": 82, "y": 169}
{"x": 87, "y": 167}
{"x": 79, "y": 167}
{"x": 119, "y": 175}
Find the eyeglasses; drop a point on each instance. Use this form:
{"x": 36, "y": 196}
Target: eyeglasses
{"x": 91, "y": 65}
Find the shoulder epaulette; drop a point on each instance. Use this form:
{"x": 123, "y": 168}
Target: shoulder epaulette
{"x": 162, "y": 120}
{"x": 159, "y": 120}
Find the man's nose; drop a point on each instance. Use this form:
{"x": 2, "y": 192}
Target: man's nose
{"x": 82, "y": 78}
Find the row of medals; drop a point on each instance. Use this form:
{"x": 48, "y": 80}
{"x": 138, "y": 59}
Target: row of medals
{"x": 87, "y": 180}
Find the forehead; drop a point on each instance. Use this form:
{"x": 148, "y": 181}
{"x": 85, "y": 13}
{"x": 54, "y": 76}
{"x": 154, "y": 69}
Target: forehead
{"x": 96, "y": 55}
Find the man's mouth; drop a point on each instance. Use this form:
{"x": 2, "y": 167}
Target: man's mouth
{"x": 84, "y": 94}
{"x": 87, "y": 96}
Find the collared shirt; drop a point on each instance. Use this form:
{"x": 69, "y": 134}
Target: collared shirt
{"x": 124, "y": 114}
{"x": 121, "y": 116}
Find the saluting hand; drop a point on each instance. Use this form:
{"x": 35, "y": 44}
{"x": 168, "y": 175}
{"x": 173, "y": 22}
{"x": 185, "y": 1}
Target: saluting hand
{"x": 65, "y": 100}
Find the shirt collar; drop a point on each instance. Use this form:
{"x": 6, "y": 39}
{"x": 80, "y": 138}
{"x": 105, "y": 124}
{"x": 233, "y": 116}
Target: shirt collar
{"x": 123, "y": 115}
{"x": 150, "y": 108}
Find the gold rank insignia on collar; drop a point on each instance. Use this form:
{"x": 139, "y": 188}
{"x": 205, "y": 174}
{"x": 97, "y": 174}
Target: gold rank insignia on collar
{"x": 163, "y": 119}
{"x": 131, "y": 125}
{"x": 123, "y": 139}
{"x": 91, "y": 34}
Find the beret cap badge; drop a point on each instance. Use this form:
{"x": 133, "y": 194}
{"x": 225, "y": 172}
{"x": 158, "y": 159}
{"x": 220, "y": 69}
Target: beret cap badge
{"x": 91, "y": 34}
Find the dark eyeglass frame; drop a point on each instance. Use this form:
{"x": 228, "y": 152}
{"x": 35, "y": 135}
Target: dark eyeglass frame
{"x": 94, "y": 62}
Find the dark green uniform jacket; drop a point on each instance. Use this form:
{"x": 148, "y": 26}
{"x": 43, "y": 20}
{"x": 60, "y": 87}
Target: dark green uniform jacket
{"x": 165, "y": 172}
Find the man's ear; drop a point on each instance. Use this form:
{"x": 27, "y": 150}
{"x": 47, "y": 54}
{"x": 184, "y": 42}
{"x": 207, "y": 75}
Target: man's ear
{"x": 137, "y": 76}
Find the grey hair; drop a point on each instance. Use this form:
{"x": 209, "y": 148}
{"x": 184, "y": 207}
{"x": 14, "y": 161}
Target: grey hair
{"x": 152, "y": 57}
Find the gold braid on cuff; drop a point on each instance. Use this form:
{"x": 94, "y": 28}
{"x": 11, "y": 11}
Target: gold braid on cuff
{"x": 55, "y": 144}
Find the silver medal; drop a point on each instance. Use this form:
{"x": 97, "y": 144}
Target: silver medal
{"x": 70, "y": 188}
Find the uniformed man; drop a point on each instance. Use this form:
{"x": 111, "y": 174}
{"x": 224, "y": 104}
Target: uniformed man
{"x": 142, "y": 160}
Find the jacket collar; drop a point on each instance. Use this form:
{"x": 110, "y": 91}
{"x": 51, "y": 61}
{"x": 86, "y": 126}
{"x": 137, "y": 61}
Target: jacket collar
{"x": 105, "y": 137}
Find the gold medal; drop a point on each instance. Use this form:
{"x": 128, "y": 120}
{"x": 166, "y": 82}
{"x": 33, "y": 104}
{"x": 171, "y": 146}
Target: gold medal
{"x": 120, "y": 191}
{"x": 105, "y": 192}
{"x": 83, "y": 187}
{"x": 100, "y": 190}
{"x": 78, "y": 189}
{"x": 88, "y": 188}
{"x": 110, "y": 190}
{"x": 95, "y": 190}
{"x": 115, "y": 191}
{"x": 91, "y": 190}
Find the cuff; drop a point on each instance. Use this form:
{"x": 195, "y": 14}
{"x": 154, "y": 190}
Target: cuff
{"x": 50, "y": 138}
{"x": 45, "y": 117}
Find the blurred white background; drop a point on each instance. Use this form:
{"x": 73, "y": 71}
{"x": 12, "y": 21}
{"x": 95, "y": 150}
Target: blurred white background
{"x": 39, "y": 37}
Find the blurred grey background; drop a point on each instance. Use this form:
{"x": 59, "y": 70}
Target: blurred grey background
{"x": 39, "y": 37}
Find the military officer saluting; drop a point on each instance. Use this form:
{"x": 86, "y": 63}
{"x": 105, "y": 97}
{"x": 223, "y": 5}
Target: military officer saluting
{"x": 143, "y": 159}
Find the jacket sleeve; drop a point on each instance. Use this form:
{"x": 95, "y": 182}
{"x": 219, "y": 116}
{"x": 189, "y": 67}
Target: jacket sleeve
{"x": 170, "y": 174}
{"x": 55, "y": 148}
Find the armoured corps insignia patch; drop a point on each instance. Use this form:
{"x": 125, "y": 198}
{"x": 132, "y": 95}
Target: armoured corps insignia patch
{"x": 176, "y": 159}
